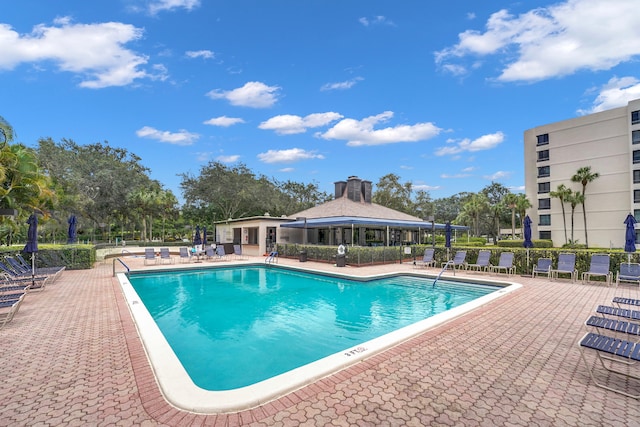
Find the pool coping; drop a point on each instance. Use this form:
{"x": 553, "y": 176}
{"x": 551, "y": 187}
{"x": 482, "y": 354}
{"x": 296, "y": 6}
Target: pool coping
{"x": 180, "y": 391}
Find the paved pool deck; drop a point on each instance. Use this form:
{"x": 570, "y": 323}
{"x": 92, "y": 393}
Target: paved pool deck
{"x": 72, "y": 356}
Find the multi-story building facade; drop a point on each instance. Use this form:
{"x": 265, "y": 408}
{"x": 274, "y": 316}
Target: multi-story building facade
{"x": 608, "y": 142}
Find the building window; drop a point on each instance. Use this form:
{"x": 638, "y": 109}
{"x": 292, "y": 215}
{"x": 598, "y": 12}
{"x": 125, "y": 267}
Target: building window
{"x": 544, "y": 171}
{"x": 544, "y": 235}
{"x": 545, "y": 220}
{"x": 545, "y": 203}
{"x": 635, "y": 137}
{"x": 636, "y": 196}
{"x": 635, "y": 117}
{"x": 544, "y": 187}
{"x": 636, "y": 176}
{"x": 636, "y": 215}
{"x": 252, "y": 235}
{"x": 636, "y": 156}
{"x": 543, "y": 139}
{"x": 543, "y": 155}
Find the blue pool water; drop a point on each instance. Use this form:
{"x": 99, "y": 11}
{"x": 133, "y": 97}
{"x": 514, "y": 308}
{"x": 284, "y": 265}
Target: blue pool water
{"x": 235, "y": 326}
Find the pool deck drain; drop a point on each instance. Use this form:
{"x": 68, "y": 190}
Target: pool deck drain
{"x": 72, "y": 356}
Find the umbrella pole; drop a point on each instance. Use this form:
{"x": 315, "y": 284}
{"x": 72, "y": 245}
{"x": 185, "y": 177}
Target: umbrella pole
{"x": 33, "y": 269}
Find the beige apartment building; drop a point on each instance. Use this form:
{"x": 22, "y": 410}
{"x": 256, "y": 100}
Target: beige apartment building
{"x": 608, "y": 142}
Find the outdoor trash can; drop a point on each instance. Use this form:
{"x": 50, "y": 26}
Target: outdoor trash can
{"x": 303, "y": 256}
{"x": 340, "y": 260}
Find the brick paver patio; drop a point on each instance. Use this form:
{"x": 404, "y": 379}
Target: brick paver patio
{"x": 72, "y": 356}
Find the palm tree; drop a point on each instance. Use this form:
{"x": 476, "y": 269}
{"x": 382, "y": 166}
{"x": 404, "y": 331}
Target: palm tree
{"x": 573, "y": 199}
{"x": 584, "y": 176}
{"x": 511, "y": 200}
{"x": 473, "y": 208}
{"x": 562, "y": 193}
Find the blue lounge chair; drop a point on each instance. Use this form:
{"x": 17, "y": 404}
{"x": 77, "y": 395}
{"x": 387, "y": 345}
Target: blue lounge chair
{"x": 482, "y": 263}
{"x": 50, "y": 271}
{"x": 237, "y": 251}
{"x": 626, "y": 301}
{"x": 220, "y": 253}
{"x": 8, "y": 310}
{"x": 566, "y": 265}
{"x": 185, "y": 255}
{"x": 504, "y": 263}
{"x": 614, "y": 350}
{"x": 542, "y": 267}
{"x": 629, "y": 272}
{"x": 598, "y": 267}
{"x": 618, "y": 312}
{"x": 150, "y": 255}
{"x": 458, "y": 261}
{"x": 427, "y": 259}
{"x": 621, "y": 326}
{"x": 165, "y": 255}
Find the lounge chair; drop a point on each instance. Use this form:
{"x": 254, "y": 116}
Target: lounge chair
{"x": 543, "y": 266}
{"x": 185, "y": 256}
{"x": 427, "y": 259}
{"x": 626, "y": 301}
{"x": 504, "y": 263}
{"x": 210, "y": 253}
{"x": 618, "y": 312}
{"x": 54, "y": 271}
{"x": 614, "y": 349}
{"x": 482, "y": 263}
{"x": 599, "y": 266}
{"x": 150, "y": 255}
{"x": 9, "y": 309}
{"x": 566, "y": 265}
{"x": 621, "y": 326}
{"x": 458, "y": 261}
{"x": 165, "y": 255}
{"x": 237, "y": 251}
{"x": 27, "y": 270}
{"x": 628, "y": 272}
{"x": 220, "y": 253}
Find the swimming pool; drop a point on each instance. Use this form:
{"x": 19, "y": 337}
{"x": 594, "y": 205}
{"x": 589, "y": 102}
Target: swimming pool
{"x": 240, "y": 336}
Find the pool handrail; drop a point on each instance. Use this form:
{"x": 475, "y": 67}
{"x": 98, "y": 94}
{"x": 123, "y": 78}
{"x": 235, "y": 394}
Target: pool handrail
{"x": 121, "y": 262}
{"x": 271, "y": 258}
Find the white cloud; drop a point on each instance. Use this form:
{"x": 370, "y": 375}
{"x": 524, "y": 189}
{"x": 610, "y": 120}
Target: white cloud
{"x": 156, "y": 6}
{"x": 229, "y": 158}
{"x": 498, "y": 176}
{"x": 376, "y": 20}
{"x": 425, "y": 187}
{"x": 456, "y": 176}
{"x": 95, "y": 52}
{"x": 485, "y": 142}
{"x": 555, "y": 41}
{"x": 286, "y": 170}
{"x": 362, "y": 132}
{"x": 223, "y": 121}
{"x": 176, "y": 138}
{"x": 288, "y": 156}
{"x": 252, "y": 94}
{"x": 288, "y": 124}
{"x": 617, "y": 92}
{"x": 341, "y": 85}
{"x": 206, "y": 54}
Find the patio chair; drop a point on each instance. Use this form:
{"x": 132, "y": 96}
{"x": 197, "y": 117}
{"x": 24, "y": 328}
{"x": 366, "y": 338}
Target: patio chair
{"x": 237, "y": 251}
{"x": 599, "y": 266}
{"x": 618, "y": 312}
{"x": 458, "y": 261}
{"x": 622, "y": 326}
{"x": 543, "y": 266}
{"x": 150, "y": 255}
{"x": 8, "y": 310}
{"x": 628, "y": 272}
{"x": 626, "y": 301}
{"x": 482, "y": 263}
{"x": 55, "y": 271}
{"x": 427, "y": 259}
{"x": 185, "y": 256}
{"x": 220, "y": 253}
{"x": 28, "y": 271}
{"x": 616, "y": 350}
{"x": 504, "y": 263}
{"x": 165, "y": 255}
{"x": 566, "y": 265}
{"x": 210, "y": 253}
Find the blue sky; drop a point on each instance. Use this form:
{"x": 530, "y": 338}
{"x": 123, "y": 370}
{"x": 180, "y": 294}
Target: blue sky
{"x": 439, "y": 93}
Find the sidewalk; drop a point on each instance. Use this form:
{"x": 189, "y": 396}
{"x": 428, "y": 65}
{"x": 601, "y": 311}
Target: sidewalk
{"x": 72, "y": 356}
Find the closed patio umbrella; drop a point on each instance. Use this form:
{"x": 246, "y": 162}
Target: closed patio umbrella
{"x": 197, "y": 240}
{"x": 72, "y": 236}
{"x": 32, "y": 243}
{"x": 630, "y": 236}
{"x": 447, "y": 237}
{"x": 204, "y": 237}
{"x": 527, "y": 237}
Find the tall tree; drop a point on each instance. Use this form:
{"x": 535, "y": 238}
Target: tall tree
{"x": 562, "y": 193}
{"x": 511, "y": 200}
{"x": 474, "y": 208}
{"x": 574, "y": 199}
{"x": 522, "y": 205}
{"x": 392, "y": 194}
{"x": 584, "y": 176}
